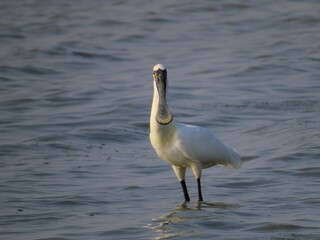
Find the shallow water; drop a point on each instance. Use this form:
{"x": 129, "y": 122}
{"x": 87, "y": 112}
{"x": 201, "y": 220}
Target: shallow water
{"x": 75, "y": 97}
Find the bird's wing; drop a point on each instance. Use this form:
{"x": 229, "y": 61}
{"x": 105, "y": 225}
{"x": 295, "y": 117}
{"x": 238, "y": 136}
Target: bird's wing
{"x": 201, "y": 145}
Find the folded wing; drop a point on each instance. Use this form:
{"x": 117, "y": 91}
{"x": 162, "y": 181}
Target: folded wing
{"x": 201, "y": 145}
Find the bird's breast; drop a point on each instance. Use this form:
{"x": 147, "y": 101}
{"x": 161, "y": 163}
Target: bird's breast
{"x": 164, "y": 141}
{"x": 162, "y": 136}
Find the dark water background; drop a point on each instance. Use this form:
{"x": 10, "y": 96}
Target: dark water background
{"x": 75, "y": 97}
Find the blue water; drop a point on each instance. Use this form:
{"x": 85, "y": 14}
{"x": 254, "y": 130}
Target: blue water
{"x": 75, "y": 99}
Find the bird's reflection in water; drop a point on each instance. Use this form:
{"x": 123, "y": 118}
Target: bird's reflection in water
{"x": 180, "y": 220}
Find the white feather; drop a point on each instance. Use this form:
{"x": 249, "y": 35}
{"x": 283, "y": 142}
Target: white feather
{"x": 201, "y": 145}
{"x": 158, "y": 66}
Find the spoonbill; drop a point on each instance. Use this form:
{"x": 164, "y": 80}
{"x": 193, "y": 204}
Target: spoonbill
{"x": 184, "y": 146}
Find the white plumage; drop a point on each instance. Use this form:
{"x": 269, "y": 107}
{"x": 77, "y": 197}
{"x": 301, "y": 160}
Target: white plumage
{"x": 184, "y": 146}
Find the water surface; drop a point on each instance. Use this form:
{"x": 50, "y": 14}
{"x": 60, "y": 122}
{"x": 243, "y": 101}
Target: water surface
{"x": 75, "y": 97}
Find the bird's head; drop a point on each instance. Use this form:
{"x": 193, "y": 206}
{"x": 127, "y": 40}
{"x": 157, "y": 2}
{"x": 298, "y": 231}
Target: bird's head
{"x": 164, "y": 115}
{"x": 160, "y": 74}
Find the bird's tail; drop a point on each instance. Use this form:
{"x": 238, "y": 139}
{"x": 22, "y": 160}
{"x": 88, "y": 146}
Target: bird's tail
{"x": 234, "y": 158}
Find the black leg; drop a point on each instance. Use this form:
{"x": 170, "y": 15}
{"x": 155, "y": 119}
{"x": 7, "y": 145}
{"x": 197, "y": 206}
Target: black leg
{"x": 185, "y": 191}
{"x": 199, "y": 190}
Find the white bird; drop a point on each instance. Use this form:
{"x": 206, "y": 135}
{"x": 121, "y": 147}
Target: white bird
{"x": 184, "y": 146}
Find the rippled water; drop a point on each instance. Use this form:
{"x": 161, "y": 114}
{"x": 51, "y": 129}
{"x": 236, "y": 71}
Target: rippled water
{"x": 75, "y": 97}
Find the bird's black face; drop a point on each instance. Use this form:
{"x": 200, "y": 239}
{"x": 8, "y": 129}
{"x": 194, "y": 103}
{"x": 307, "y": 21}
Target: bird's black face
{"x": 160, "y": 76}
